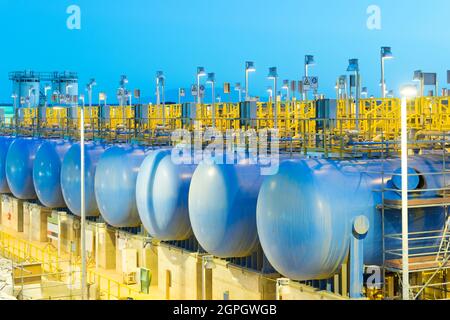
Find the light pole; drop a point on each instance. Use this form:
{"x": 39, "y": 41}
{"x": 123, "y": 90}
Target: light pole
{"x": 418, "y": 76}
{"x": 89, "y": 88}
{"x": 68, "y": 86}
{"x": 83, "y": 210}
{"x": 238, "y": 88}
{"x": 82, "y": 99}
{"x": 211, "y": 80}
{"x": 273, "y": 75}
{"x": 364, "y": 92}
{"x": 286, "y": 87}
{"x": 162, "y": 82}
{"x": 122, "y": 92}
{"x": 386, "y": 54}
{"x": 338, "y": 90}
{"x": 270, "y": 92}
{"x": 249, "y": 67}
{"x": 14, "y": 97}
{"x": 159, "y": 76}
{"x": 309, "y": 62}
{"x": 30, "y": 93}
{"x": 46, "y": 89}
{"x": 181, "y": 93}
{"x": 343, "y": 86}
{"x": 200, "y": 73}
{"x": 57, "y": 96}
{"x": 353, "y": 66}
{"x": 407, "y": 92}
{"x": 390, "y": 94}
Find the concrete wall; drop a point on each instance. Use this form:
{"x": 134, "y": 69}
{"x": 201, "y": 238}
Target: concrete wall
{"x": 105, "y": 247}
{"x": 35, "y": 222}
{"x": 176, "y": 272}
{"x": 179, "y": 273}
{"x": 12, "y": 213}
{"x": 241, "y": 284}
{"x": 70, "y": 233}
{"x": 147, "y": 253}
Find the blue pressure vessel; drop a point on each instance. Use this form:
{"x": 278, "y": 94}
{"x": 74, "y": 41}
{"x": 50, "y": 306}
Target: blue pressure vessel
{"x": 19, "y": 167}
{"x": 115, "y": 185}
{"x": 5, "y": 142}
{"x": 222, "y": 208}
{"x": 305, "y": 213}
{"x": 71, "y": 177}
{"x": 47, "y": 172}
{"x": 162, "y": 190}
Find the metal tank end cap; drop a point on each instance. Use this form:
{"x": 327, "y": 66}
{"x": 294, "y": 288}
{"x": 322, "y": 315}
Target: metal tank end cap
{"x": 361, "y": 225}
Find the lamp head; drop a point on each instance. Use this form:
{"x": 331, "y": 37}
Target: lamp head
{"x": 309, "y": 60}
{"x": 273, "y": 73}
{"x": 250, "y": 66}
{"x": 211, "y": 77}
{"x": 418, "y": 75}
{"x": 386, "y": 53}
{"x": 201, "y": 72}
{"x": 353, "y": 65}
{"x": 123, "y": 80}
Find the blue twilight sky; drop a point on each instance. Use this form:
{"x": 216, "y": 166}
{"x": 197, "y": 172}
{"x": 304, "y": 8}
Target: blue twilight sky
{"x": 139, "y": 37}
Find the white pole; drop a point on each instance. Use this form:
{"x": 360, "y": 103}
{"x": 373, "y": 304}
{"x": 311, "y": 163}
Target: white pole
{"x": 404, "y": 165}
{"x": 305, "y": 93}
{"x": 157, "y": 92}
{"x": 246, "y": 85}
{"x": 275, "y": 103}
{"x": 383, "y": 83}
{"x": 199, "y": 101}
{"x": 213, "y": 106}
{"x": 163, "y": 103}
{"x": 83, "y": 213}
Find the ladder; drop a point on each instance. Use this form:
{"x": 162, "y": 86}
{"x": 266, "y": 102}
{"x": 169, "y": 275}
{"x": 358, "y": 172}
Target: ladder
{"x": 445, "y": 241}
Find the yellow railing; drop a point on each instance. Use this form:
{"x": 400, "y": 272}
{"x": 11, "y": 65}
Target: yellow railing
{"x": 20, "y": 250}
{"x": 113, "y": 289}
{"x": 424, "y": 113}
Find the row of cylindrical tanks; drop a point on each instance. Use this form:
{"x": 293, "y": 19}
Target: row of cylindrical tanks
{"x": 302, "y": 216}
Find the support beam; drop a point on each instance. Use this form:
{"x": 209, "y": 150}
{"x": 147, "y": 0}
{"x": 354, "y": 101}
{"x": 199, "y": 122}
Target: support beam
{"x": 360, "y": 229}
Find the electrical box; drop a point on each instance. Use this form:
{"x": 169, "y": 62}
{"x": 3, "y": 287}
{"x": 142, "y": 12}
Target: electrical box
{"x": 105, "y": 113}
{"x": 247, "y": 111}
{"x": 129, "y": 260}
{"x": 326, "y": 109}
{"x": 145, "y": 280}
{"x": 129, "y": 265}
{"x": 188, "y": 112}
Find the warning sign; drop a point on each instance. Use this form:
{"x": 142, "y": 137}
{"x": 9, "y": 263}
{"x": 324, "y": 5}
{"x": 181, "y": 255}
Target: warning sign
{"x": 310, "y": 83}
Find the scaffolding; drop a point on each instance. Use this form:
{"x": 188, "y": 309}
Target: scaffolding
{"x": 429, "y": 250}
